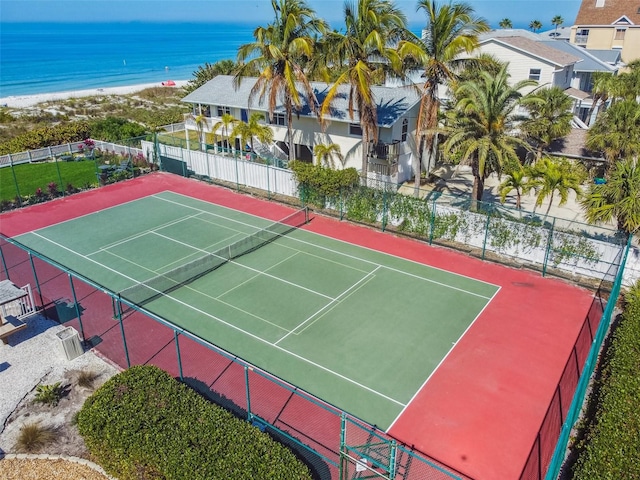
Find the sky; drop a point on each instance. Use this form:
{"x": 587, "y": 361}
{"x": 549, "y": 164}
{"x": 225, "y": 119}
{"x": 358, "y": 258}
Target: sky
{"x": 257, "y": 12}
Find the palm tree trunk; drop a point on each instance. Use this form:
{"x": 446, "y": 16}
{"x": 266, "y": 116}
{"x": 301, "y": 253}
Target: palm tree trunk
{"x": 549, "y": 206}
{"x": 365, "y": 151}
{"x": 518, "y": 200}
{"x": 477, "y": 191}
{"x": 292, "y": 155}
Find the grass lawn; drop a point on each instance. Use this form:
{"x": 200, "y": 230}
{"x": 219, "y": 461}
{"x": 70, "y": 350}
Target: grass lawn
{"x": 31, "y": 176}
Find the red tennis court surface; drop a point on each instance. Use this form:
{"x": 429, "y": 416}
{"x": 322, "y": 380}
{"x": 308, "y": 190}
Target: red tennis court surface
{"x": 482, "y": 409}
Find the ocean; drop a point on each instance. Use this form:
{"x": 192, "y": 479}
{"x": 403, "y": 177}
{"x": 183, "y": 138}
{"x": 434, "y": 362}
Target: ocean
{"x": 57, "y": 57}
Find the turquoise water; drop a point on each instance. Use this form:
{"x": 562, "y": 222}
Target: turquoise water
{"x": 53, "y": 57}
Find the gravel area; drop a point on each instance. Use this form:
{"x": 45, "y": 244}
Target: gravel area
{"x": 39, "y": 469}
{"x": 33, "y": 356}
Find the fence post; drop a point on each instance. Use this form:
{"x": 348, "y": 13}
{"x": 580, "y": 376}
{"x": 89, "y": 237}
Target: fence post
{"x": 433, "y": 220}
{"x": 384, "y": 209}
{"x": 59, "y": 176}
{"x": 75, "y": 302}
{"x": 268, "y": 183}
{"x": 124, "y": 339}
{"x": 486, "y": 234}
{"x": 237, "y": 175}
{"x": 15, "y": 180}
{"x": 246, "y": 382}
{"x": 343, "y": 442}
{"x": 178, "y": 357}
{"x": 547, "y": 253}
{"x": 35, "y": 277}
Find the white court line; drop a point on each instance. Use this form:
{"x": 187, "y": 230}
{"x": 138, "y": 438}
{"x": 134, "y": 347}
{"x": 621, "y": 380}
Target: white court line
{"x": 355, "y": 257}
{"x": 234, "y": 327}
{"x": 442, "y": 361}
{"x": 332, "y": 302}
{"x": 87, "y": 258}
{"x": 142, "y": 234}
{"x": 278, "y": 347}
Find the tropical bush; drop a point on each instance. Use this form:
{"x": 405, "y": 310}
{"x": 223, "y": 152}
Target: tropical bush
{"x": 113, "y": 129}
{"x": 46, "y": 137}
{"x": 49, "y": 394}
{"x": 612, "y": 440}
{"x": 321, "y": 182}
{"x": 142, "y": 423}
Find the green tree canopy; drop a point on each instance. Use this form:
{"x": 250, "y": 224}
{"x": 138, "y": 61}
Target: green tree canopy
{"x": 618, "y": 199}
{"x": 452, "y": 30}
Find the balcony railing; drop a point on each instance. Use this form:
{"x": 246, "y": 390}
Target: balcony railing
{"x": 383, "y": 157}
{"x": 581, "y": 39}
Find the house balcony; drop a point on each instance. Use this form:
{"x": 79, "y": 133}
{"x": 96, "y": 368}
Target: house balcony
{"x": 383, "y": 157}
{"x": 581, "y": 39}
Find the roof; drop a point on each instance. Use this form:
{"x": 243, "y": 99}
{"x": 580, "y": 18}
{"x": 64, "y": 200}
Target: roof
{"x": 612, "y": 57}
{"x": 562, "y": 33}
{"x": 609, "y": 13}
{"x": 392, "y": 103}
{"x": 589, "y": 63}
{"x": 576, "y": 93}
{"x": 573, "y": 145}
{"x": 533, "y": 46}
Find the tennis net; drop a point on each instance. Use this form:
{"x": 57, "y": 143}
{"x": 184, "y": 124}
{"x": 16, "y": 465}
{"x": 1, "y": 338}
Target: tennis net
{"x": 155, "y": 287}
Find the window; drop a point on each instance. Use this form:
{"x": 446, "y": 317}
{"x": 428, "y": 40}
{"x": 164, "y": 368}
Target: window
{"x": 223, "y": 110}
{"x": 620, "y": 33}
{"x": 279, "y": 119}
{"x": 534, "y": 74}
{"x": 405, "y": 129}
{"x": 355, "y": 129}
{"x": 582, "y": 35}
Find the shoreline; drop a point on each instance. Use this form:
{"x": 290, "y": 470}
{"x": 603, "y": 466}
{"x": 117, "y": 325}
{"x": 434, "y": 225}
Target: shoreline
{"x": 25, "y": 101}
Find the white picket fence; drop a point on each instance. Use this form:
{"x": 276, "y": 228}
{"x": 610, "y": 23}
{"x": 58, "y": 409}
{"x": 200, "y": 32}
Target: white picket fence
{"x": 233, "y": 170}
{"x": 49, "y": 153}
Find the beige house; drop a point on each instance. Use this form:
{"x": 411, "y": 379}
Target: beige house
{"x": 529, "y": 58}
{"x": 609, "y": 24}
{"x": 397, "y": 110}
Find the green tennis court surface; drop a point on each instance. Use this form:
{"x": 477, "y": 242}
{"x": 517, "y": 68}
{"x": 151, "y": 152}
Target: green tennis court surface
{"x": 358, "y": 328}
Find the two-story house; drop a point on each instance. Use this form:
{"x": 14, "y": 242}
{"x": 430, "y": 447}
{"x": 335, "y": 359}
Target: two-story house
{"x": 397, "y": 110}
{"x": 609, "y": 24}
{"x": 529, "y": 58}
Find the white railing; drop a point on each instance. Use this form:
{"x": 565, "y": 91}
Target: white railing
{"x": 233, "y": 170}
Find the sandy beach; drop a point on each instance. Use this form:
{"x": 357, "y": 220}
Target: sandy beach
{"x": 24, "y": 101}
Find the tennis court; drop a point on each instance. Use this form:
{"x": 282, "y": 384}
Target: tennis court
{"x": 358, "y": 328}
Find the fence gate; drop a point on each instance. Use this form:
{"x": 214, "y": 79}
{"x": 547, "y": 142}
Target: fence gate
{"x": 173, "y": 165}
{"x": 371, "y": 457}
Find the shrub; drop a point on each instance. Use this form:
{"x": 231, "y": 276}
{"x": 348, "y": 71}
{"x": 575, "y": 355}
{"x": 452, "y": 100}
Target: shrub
{"x": 49, "y": 394}
{"x": 33, "y": 436}
{"x": 86, "y": 378}
{"x": 612, "y": 440}
{"x": 142, "y": 423}
{"x": 319, "y": 183}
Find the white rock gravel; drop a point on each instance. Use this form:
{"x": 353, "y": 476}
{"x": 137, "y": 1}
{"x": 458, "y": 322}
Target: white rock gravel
{"x": 35, "y": 355}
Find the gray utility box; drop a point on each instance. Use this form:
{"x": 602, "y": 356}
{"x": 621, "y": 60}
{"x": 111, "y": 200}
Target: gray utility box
{"x": 70, "y": 342}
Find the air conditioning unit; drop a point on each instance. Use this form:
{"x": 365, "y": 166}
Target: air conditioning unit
{"x": 70, "y": 341}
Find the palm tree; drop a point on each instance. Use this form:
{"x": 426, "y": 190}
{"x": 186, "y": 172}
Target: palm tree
{"x": 325, "y": 153}
{"x": 253, "y": 129}
{"x": 505, "y": 23}
{"x": 200, "y": 121}
{"x": 602, "y": 84}
{"x": 550, "y": 176}
{"x": 557, "y": 21}
{"x": 550, "y": 117}
{"x": 208, "y": 71}
{"x": 480, "y": 125}
{"x": 617, "y": 132}
{"x": 535, "y": 25}
{"x": 452, "y": 30}
{"x": 517, "y": 179}
{"x": 278, "y": 52}
{"x": 618, "y": 199}
{"x": 227, "y": 122}
{"x": 371, "y": 26}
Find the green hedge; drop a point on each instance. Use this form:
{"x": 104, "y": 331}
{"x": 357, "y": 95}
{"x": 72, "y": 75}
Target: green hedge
{"x": 611, "y": 447}
{"x": 143, "y": 423}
